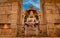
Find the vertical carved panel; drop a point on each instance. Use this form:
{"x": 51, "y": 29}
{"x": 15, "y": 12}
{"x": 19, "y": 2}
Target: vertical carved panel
{"x": 20, "y": 27}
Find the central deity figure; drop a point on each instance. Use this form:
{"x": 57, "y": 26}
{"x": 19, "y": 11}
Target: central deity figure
{"x": 31, "y": 20}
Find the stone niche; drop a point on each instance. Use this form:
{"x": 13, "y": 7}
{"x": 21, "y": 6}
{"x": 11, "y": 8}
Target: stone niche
{"x": 5, "y": 30}
{"x": 32, "y": 23}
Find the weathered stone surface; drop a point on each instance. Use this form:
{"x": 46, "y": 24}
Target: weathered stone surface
{"x": 7, "y": 32}
{"x": 49, "y": 23}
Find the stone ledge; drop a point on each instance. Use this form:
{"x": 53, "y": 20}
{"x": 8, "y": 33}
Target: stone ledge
{"x": 29, "y": 37}
{"x": 7, "y": 32}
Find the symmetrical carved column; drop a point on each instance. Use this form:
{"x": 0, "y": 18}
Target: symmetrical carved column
{"x": 20, "y": 29}
{"x": 43, "y": 28}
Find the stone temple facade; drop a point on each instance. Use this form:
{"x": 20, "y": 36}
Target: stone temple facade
{"x": 12, "y": 19}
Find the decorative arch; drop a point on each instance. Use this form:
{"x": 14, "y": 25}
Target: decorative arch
{"x": 35, "y": 12}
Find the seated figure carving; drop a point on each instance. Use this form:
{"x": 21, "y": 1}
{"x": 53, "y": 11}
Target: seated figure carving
{"x": 31, "y": 20}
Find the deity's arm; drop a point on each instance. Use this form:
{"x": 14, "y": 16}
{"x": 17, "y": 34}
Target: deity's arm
{"x": 27, "y": 19}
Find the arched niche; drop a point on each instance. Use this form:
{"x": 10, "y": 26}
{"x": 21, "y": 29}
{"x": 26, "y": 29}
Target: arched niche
{"x": 22, "y": 14}
{"x": 35, "y": 12}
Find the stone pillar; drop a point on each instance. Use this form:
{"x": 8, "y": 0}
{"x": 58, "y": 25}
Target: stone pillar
{"x": 43, "y": 27}
{"x": 20, "y": 29}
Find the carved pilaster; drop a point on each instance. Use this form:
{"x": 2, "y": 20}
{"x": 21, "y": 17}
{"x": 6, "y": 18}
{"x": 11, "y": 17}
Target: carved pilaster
{"x": 20, "y": 28}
